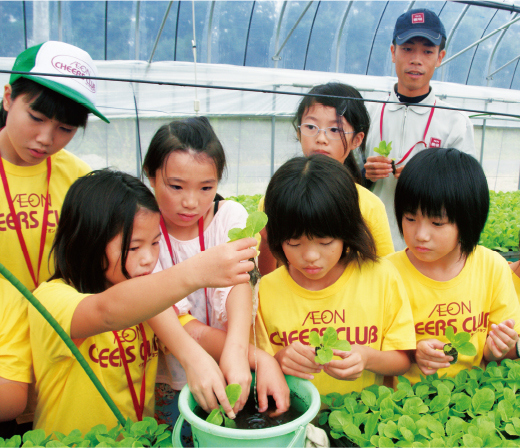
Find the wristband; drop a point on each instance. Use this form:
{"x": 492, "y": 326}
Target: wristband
{"x": 517, "y": 347}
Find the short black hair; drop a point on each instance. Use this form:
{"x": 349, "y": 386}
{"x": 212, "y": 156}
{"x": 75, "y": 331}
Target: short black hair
{"x": 445, "y": 182}
{"x": 97, "y": 208}
{"x": 48, "y": 102}
{"x": 316, "y": 197}
{"x": 442, "y": 45}
{"x": 194, "y": 133}
{"x": 354, "y": 112}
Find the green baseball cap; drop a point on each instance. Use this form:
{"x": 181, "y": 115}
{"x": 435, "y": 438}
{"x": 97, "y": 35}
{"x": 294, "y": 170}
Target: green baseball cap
{"x": 60, "y": 58}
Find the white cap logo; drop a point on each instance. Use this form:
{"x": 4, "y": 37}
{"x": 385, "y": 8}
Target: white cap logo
{"x": 70, "y": 65}
{"x": 418, "y": 17}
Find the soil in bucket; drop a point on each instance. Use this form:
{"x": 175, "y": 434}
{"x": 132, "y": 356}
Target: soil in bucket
{"x": 250, "y": 418}
{"x": 305, "y": 398}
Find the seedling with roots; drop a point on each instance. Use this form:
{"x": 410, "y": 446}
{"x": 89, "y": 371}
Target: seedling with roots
{"x": 324, "y": 345}
{"x": 384, "y": 149}
{"x": 217, "y": 416}
{"x": 459, "y": 343}
{"x": 256, "y": 221}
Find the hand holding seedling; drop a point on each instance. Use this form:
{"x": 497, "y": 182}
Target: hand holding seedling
{"x": 221, "y": 266}
{"x": 378, "y": 167}
{"x": 430, "y": 357}
{"x": 351, "y": 365}
{"x": 217, "y": 416}
{"x": 298, "y": 360}
{"x": 501, "y": 340}
{"x": 326, "y": 343}
{"x": 234, "y": 365}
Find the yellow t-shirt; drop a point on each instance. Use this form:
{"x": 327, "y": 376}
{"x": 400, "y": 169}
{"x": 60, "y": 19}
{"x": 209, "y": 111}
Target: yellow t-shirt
{"x": 516, "y": 283}
{"x": 15, "y": 347}
{"x": 374, "y": 213}
{"x": 67, "y": 399}
{"x": 366, "y": 305}
{"x": 28, "y": 187}
{"x": 480, "y": 295}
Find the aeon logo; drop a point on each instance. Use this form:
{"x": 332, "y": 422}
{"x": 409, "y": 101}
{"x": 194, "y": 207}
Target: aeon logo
{"x": 68, "y": 64}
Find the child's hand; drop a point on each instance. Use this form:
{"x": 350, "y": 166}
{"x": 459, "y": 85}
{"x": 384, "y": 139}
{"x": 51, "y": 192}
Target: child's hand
{"x": 223, "y": 265}
{"x": 430, "y": 357}
{"x": 207, "y": 384}
{"x": 298, "y": 360}
{"x": 378, "y": 167}
{"x": 351, "y": 365}
{"x": 271, "y": 381}
{"x": 501, "y": 339}
{"x": 235, "y": 367}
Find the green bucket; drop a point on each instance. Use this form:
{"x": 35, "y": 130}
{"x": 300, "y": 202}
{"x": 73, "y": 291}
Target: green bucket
{"x": 304, "y": 397}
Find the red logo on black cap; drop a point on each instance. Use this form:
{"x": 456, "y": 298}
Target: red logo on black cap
{"x": 418, "y": 17}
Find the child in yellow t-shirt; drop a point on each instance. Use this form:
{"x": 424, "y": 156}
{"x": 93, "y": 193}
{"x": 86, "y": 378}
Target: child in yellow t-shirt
{"x": 39, "y": 116}
{"x": 102, "y": 294}
{"x": 441, "y": 206}
{"x": 15, "y": 357}
{"x": 331, "y": 277}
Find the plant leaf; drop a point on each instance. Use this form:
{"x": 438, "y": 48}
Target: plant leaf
{"x": 342, "y": 345}
{"x": 256, "y": 221}
{"x": 467, "y": 349}
{"x": 215, "y": 417}
{"x": 235, "y": 234}
{"x": 461, "y": 337}
{"x": 233, "y": 392}
{"x": 330, "y": 337}
{"x": 449, "y": 333}
{"x": 482, "y": 401}
{"x": 324, "y": 355}
{"x": 314, "y": 339}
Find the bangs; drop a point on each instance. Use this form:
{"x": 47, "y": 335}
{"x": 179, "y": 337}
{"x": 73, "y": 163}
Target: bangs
{"x": 56, "y": 106}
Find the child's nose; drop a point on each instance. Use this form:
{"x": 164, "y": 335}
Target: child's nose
{"x": 322, "y": 136}
{"x": 189, "y": 200}
{"x": 45, "y": 136}
{"x": 422, "y": 233}
{"x": 311, "y": 256}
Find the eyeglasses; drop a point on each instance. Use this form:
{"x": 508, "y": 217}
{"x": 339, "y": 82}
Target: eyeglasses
{"x": 311, "y": 130}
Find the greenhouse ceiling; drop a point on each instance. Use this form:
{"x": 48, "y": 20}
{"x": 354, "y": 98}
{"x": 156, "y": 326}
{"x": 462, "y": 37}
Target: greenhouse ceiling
{"x": 350, "y": 37}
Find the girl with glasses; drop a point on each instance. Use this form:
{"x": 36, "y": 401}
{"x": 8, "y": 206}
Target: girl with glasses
{"x": 333, "y": 120}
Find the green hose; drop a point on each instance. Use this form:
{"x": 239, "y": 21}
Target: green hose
{"x": 66, "y": 338}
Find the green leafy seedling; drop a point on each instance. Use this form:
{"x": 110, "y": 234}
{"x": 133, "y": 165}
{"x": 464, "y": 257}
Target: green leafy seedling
{"x": 217, "y": 416}
{"x": 384, "y": 149}
{"x": 324, "y": 345}
{"x": 459, "y": 343}
{"x": 256, "y": 221}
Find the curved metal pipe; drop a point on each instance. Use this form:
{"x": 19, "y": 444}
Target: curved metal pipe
{"x": 340, "y": 33}
{"x": 450, "y": 35}
{"x": 374, "y": 38}
{"x": 497, "y": 43}
{"x": 248, "y": 31}
{"x": 310, "y": 35}
{"x": 277, "y": 38}
{"x": 476, "y": 49}
{"x": 210, "y": 25}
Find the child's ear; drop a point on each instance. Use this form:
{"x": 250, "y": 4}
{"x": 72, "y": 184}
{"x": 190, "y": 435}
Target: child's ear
{"x": 152, "y": 182}
{"x": 357, "y": 140}
{"x": 6, "y": 101}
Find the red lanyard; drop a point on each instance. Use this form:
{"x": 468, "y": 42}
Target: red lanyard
{"x": 202, "y": 249}
{"x": 18, "y": 226}
{"x": 139, "y": 407}
{"x": 424, "y": 136}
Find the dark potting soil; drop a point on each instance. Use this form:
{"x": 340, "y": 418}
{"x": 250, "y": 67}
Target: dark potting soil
{"x": 250, "y": 418}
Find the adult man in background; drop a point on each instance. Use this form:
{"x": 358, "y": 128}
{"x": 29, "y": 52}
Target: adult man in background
{"x": 417, "y": 50}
